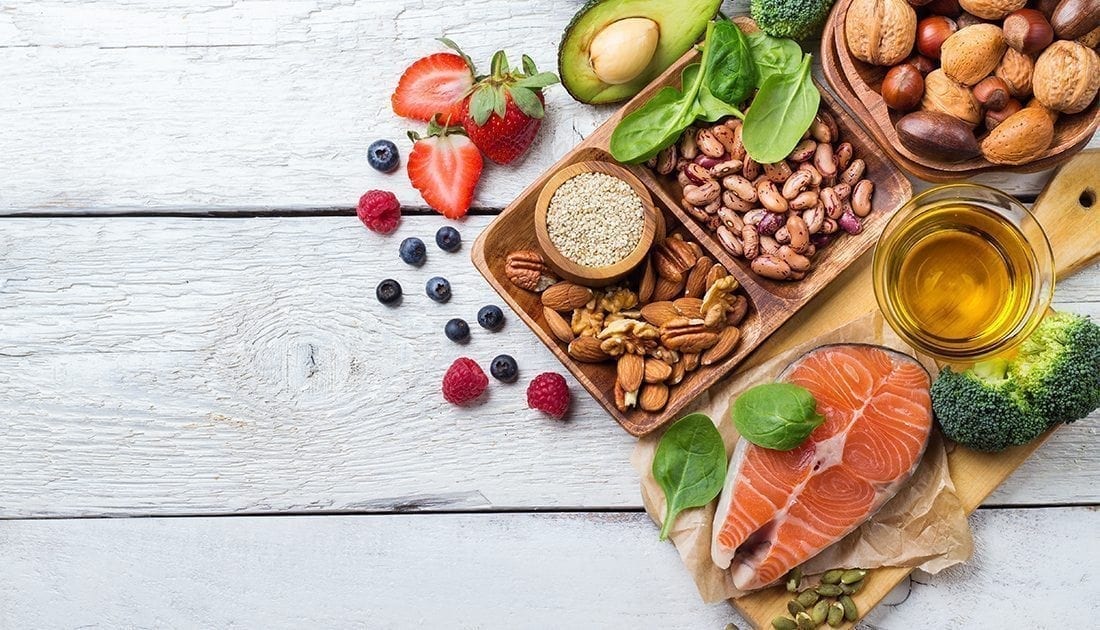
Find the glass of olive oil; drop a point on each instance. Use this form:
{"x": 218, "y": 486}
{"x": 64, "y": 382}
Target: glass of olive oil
{"x": 963, "y": 272}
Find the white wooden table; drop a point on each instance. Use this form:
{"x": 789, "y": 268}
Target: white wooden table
{"x": 188, "y": 334}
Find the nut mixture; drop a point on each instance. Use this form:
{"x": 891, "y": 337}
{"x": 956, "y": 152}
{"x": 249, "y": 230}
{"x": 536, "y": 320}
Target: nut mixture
{"x": 681, "y": 312}
{"x": 595, "y": 219}
{"x": 777, "y": 216}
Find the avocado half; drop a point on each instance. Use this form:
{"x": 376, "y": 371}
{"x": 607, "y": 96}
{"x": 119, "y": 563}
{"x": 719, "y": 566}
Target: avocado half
{"x": 680, "y": 23}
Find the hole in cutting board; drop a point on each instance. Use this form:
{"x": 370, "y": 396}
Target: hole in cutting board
{"x": 1087, "y": 198}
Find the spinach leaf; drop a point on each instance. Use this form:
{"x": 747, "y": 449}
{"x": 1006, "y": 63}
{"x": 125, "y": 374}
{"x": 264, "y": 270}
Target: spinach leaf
{"x": 712, "y": 107}
{"x": 730, "y": 70}
{"x": 689, "y": 465}
{"x": 779, "y": 416}
{"x": 773, "y": 55}
{"x": 782, "y": 111}
{"x": 653, "y": 126}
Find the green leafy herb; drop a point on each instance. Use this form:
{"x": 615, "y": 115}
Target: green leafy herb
{"x": 711, "y": 107}
{"x": 782, "y": 111}
{"x": 778, "y": 416}
{"x": 730, "y": 71}
{"x": 773, "y": 55}
{"x": 689, "y": 465}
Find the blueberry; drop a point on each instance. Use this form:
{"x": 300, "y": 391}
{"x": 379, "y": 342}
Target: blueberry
{"x": 457, "y": 330}
{"x": 388, "y": 292}
{"x": 382, "y": 155}
{"x": 448, "y": 239}
{"x": 504, "y": 368}
{"x": 438, "y": 289}
{"x": 413, "y": 251}
{"x": 490, "y": 317}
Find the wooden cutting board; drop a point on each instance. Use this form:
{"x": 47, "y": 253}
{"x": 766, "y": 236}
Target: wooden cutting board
{"x": 1069, "y": 211}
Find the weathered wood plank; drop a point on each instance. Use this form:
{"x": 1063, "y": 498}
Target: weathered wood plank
{"x": 480, "y": 571}
{"x": 198, "y": 366}
{"x": 139, "y": 104}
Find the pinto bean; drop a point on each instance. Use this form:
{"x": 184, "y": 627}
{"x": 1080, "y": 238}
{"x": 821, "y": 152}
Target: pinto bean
{"x": 723, "y": 169}
{"x": 768, "y": 244}
{"x": 741, "y": 187}
{"x": 729, "y": 241}
{"x": 814, "y": 217}
{"x": 703, "y": 194}
{"x": 708, "y": 144}
{"x": 861, "y": 197}
{"x": 751, "y": 241}
{"x": 666, "y": 160}
{"x": 688, "y": 148}
{"x": 815, "y": 175}
{"x": 800, "y": 233}
{"x": 803, "y": 151}
{"x": 731, "y": 200}
{"x": 751, "y": 169}
{"x": 707, "y": 161}
{"x": 824, "y": 160}
{"x": 805, "y": 200}
{"x": 842, "y": 190}
{"x": 727, "y": 137}
{"x": 796, "y": 183}
{"x": 770, "y": 197}
{"x": 754, "y": 216}
{"x": 829, "y": 226}
{"x": 834, "y": 206}
{"x": 854, "y": 172}
{"x": 778, "y": 172}
{"x": 697, "y": 174}
{"x": 843, "y": 154}
{"x": 782, "y": 236}
{"x": 771, "y": 266}
{"x": 697, "y": 213}
{"x": 796, "y": 261}
{"x": 730, "y": 219}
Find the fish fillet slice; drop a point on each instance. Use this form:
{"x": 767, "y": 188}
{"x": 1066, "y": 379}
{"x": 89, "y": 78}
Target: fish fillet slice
{"x": 780, "y": 508}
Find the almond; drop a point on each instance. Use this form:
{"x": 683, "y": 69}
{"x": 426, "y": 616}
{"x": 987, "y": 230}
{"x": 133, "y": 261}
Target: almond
{"x": 648, "y": 283}
{"x": 971, "y": 54}
{"x": 667, "y": 289}
{"x": 630, "y": 371}
{"x": 587, "y": 350}
{"x": 566, "y": 296}
{"x": 690, "y": 361}
{"x": 697, "y": 278}
{"x": 716, "y": 273}
{"x": 660, "y": 313}
{"x": 653, "y": 397}
{"x": 657, "y": 371}
{"x": 557, "y": 325}
{"x": 678, "y": 372}
{"x": 690, "y": 307}
{"x": 727, "y": 341}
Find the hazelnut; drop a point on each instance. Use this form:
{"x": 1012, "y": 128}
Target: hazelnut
{"x": 994, "y": 117}
{"x": 972, "y": 53}
{"x": 1075, "y": 18}
{"x": 991, "y": 9}
{"x": 903, "y": 87}
{"x": 1016, "y": 68}
{"x": 880, "y": 32}
{"x": 931, "y": 32}
{"x": 1027, "y": 31}
{"x": 1066, "y": 77}
{"x": 623, "y": 49}
{"x": 949, "y": 8}
{"x": 921, "y": 63}
{"x": 991, "y": 93}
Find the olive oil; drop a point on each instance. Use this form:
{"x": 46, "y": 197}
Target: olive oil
{"x": 961, "y": 277}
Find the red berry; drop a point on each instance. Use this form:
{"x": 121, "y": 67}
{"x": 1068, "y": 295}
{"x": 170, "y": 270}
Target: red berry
{"x": 380, "y": 211}
{"x": 464, "y": 382}
{"x": 549, "y": 393}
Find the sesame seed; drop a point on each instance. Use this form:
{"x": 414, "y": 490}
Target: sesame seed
{"x": 595, "y": 219}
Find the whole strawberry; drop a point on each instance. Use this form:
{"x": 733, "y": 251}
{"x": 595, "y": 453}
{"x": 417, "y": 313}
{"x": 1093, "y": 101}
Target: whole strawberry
{"x": 549, "y": 393}
{"x": 505, "y": 109}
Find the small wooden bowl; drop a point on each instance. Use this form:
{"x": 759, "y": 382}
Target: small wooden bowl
{"x": 652, "y": 231}
{"x": 857, "y": 85}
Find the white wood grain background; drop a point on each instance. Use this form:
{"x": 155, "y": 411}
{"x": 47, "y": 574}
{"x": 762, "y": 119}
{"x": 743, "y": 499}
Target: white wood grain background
{"x": 205, "y": 367}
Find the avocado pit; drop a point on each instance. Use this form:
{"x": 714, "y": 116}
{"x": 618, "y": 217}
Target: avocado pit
{"x": 623, "y": 49}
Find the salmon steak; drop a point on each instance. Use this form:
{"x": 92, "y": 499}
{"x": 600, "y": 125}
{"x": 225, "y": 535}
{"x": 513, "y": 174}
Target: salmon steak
{"x": 781, "y": 508}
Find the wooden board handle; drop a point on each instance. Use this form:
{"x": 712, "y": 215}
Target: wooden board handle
{"x": 1069, "y": 211}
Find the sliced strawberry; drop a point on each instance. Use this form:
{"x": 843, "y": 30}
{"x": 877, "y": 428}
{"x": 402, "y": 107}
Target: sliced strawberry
{"x": 505, "y": 109}
{"x": 436, "y": 84}
{"x": 445, "y": 167}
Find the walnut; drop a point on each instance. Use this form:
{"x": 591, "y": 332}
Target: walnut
{"x": 719, "y": 301}
{"x": 880, "y": 32}
{"x": 587, "y": 322}
{"x": 617, "y": 299}
{"x": 1015, "y": 69}
{"x": 1067, "y": 77}
{"x": 628, "y": 336}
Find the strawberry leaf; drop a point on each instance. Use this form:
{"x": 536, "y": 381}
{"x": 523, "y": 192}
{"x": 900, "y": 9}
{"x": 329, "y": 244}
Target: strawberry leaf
{"x": 529, "y": 67}
{"x": 499, "y": 64}
{"x": 481, "y": 105}
{"x": 538, "y": 81}
{"x": 527, "y": 102}
{"x": 453, "y": 46}
{"x": 500, "y": 102}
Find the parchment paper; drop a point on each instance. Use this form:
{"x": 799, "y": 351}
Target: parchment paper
{"x": 923, "y": 526}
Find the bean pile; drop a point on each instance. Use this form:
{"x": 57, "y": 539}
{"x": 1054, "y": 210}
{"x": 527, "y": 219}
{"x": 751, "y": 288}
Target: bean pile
{"x": 777, "y": 216}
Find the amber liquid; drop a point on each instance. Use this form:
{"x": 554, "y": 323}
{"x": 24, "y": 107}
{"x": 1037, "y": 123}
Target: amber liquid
{"x": 963, "y": 277}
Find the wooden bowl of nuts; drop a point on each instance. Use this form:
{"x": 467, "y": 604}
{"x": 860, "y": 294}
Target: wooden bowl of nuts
{"x": 958, "y": 87}
{"x": 595, "y": 222}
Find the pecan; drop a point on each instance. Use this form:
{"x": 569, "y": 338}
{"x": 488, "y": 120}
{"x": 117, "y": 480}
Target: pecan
{"x": 687, "y": 335}
{"x": 527, "y": 270}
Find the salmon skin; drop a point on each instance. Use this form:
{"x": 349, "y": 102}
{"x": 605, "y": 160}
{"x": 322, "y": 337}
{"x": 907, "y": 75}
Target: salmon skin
{"x": 781, "y": 508}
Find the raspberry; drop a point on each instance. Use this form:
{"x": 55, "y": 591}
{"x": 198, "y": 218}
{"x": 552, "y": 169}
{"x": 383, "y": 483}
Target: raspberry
{"x": 550, "y": 394}
{"x": 380, "y": 211}
{"x": 464, "y": 382}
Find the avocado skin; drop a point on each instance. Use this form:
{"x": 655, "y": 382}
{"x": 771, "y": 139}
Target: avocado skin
{"x": 681, "y": 24}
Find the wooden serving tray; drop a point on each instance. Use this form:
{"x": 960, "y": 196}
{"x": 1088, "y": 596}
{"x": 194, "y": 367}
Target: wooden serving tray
{"x": 772, "y": 303}
{"x": 857, "y": 84}
{"x": 1067, "y": 209}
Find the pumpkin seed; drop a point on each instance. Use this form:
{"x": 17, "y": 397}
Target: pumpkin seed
{"x": 805, "y": 622}
{"x": 794, "y": 580}
{"x": 836, "y": 615}
{"x": 794, "y": 607}
{"x": 783, "y": 623}
{"x": 832, "y": 577}
{"x": 820, "y": 611}
{"x": 829, "y": 590}
{"x": 808, "y": 598}
{"x": 851, "y": 613}
{"x": 852, "y": 576}
{"x": 852, "y": 589}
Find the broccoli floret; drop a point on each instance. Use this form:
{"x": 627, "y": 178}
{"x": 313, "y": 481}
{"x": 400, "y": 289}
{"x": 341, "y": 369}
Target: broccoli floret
{"x": 1058, "y": 368}
{"x": 797, "y": 19}
{"x": 982, "y": 409}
